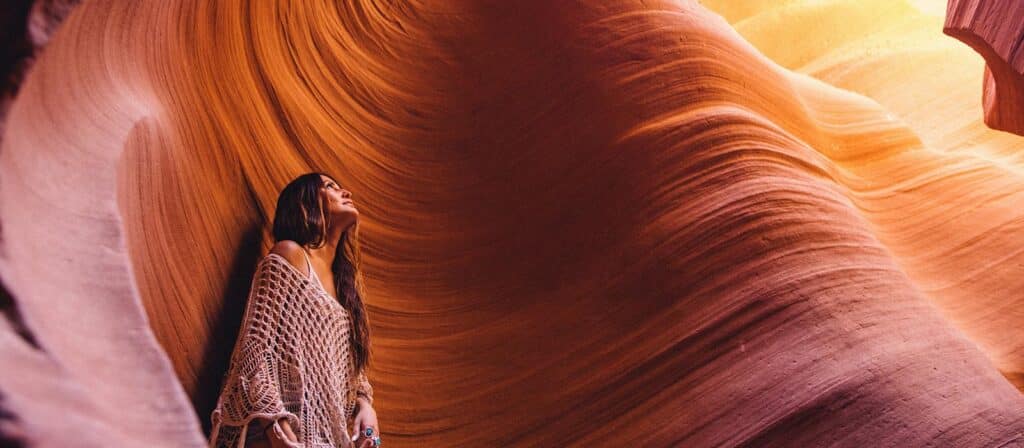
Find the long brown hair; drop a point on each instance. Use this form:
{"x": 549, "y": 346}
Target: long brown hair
{"x": 300, "y": 218}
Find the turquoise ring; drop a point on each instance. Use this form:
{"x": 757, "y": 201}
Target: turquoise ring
{"x": 369, "y": 431}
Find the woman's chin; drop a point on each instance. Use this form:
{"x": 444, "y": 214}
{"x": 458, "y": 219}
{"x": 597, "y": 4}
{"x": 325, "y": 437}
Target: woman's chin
{"x": 347, "y": 215}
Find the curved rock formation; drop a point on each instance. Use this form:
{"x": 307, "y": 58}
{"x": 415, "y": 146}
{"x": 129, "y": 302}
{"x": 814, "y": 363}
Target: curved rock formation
{"x": 582, "y": 224}
{"x": 995, "y": 29}
{"x": 964, "y": 252}
{"x": 25, "y": 27}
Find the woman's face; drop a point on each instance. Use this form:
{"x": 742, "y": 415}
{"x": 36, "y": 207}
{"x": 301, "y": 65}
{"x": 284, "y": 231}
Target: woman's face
{"x": 337, "y": 201}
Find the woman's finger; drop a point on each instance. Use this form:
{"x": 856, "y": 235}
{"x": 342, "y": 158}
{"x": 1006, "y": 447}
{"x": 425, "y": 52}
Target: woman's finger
{"x": 369, "y": 432}
{"x": 357, "y": 425}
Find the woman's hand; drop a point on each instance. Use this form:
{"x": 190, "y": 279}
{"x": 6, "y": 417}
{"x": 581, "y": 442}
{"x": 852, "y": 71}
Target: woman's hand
{"x": 281, "y": 434}
{"x": 366, "y": 417}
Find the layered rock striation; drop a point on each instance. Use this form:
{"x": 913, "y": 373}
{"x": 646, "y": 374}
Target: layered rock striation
{"x": 582, "y": 224}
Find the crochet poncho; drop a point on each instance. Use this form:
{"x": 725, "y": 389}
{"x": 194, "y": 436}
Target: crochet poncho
{"x": 291, "y": 359}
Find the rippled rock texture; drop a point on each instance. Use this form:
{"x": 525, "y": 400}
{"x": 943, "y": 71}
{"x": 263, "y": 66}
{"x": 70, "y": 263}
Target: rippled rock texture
{"x": 995, "y": 29}
{"x": 25, "y": 28}
{"x": 583, "y": 223}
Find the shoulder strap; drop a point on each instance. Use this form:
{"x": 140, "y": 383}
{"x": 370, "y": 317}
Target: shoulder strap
{"x": 308, "y": 264}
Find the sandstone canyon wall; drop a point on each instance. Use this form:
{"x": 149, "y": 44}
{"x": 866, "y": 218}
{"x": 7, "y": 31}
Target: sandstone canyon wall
{"x": 583, "y": 223}
{"x": 964, "y": 253}
{"x": 995, "y": 28}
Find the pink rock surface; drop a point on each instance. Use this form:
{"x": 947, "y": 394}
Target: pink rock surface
{"x": 995, "y": 29}
{"x": 25, "y": 28}
{"x": 584, "y": 224}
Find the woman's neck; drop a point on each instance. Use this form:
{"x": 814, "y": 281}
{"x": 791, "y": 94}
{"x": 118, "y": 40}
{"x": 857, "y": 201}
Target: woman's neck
{"x": 330, "y": 247}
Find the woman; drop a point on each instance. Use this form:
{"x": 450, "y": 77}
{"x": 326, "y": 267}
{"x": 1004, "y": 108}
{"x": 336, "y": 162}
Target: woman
{"x": 297, "y": 374}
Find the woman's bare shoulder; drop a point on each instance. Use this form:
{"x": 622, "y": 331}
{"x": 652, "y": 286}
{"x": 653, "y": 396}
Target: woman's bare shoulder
{"x": 292, "y": 252}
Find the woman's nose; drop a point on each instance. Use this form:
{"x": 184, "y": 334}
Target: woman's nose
{"x": 346, "y": 194}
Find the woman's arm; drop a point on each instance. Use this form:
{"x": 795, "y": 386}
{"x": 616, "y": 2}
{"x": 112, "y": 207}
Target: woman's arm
{"x": 251, "y": 360}
{"x": 287, "y": 428}
{"x": 365, "y": 390}
{"x": 366, "y": 416}
{"x": 272, "y": 434}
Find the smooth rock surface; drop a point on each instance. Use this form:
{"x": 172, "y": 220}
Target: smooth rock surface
{"x": 995, "y": 29}
{"x": 582, "y": 224}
